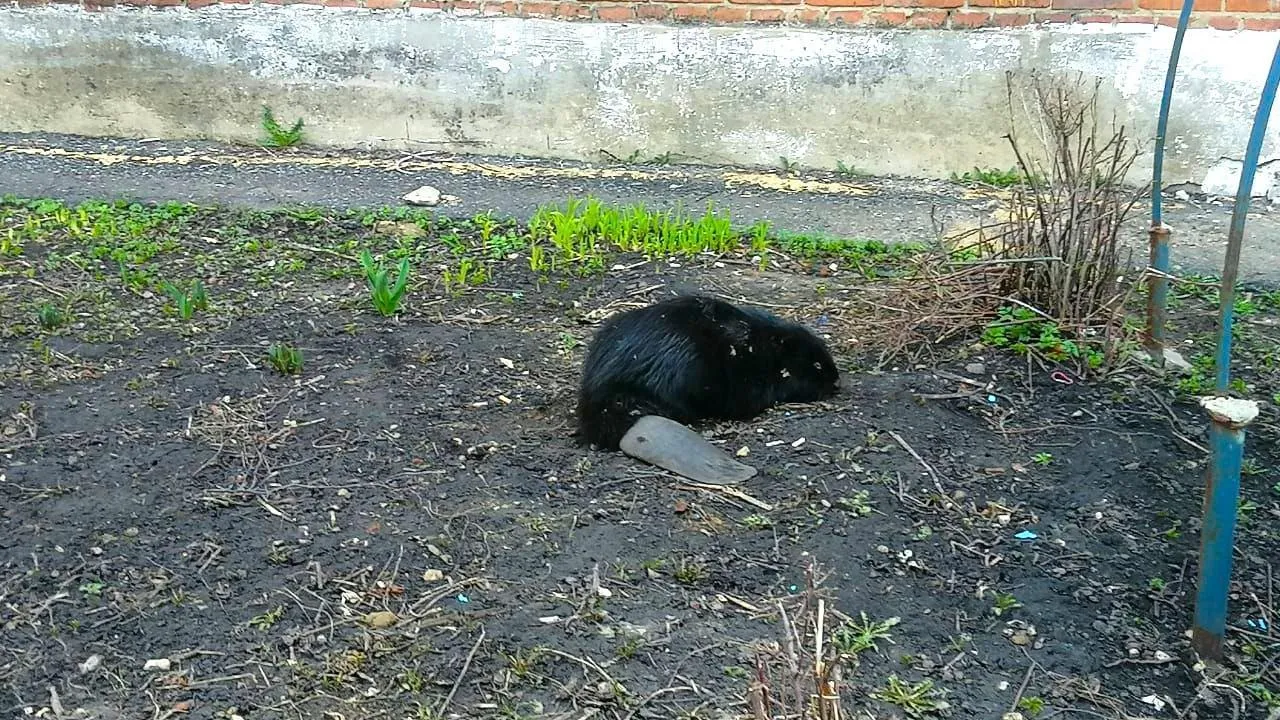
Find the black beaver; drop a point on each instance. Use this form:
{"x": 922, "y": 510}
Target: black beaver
{"x": 694, "y": 358}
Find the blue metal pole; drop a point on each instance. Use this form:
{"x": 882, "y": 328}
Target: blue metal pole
{"x": 1229, "y": 417}
{"x": 1158, "y": 283}
{"x": 1235, "y": 235}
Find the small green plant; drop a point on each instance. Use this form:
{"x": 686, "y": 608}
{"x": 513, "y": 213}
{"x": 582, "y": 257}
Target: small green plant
{"x": 846, "y": 171}
{"x": 468, "y": 272}
{"x": 277, "y": 135}
{"x": 1023, "y": 330}
{"x": 386, "y": 295}
{"x": 523, "y": 661}
{"x": 1156, "y": 584}
{"x": 50, "y": 317}
{"x": 788, "y": 166}
{"x": 189, "y": 300}
{"x": 916, "y": 700}
{"x": 1032, "y": 705}
{"x": 994, "y": 177}
{"x": 688, "y": 572}
{"x": 630, "y": 647}
{"x": 93, "y": 589}
{"x": 858, "y": 504}
{"x": 757, "y": 522}
{"x": 854, "y": 637}
{"x": 267, "y": 619}
{"x": 1004, "y": 603}
{"x": 286, "y": 359}
{"x": 1042, "y": 458}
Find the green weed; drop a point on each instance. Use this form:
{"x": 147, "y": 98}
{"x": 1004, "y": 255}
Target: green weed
{"x": 277, "y": 135}
{"x": 267, "y": 619}
{"x": 846, "y": 171}
{"x": 286, "y": 359}
{"x": 855, "y": 637}
{"x": 918, "y": 699}
{"x": 50, "y": 317}
{"x": 386, "y": 295}
{"x": 1042, "y": 458}
{"x": 468, "y": 272}
{"x": 189, "y": 300}
{"x": 995, "y": 177}
{"x": 1023, "y": 330}
{"x": 1004, "y": 603}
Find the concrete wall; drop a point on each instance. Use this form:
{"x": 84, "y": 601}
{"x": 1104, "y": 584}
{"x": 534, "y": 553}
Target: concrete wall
{"x": 896, "y": 101}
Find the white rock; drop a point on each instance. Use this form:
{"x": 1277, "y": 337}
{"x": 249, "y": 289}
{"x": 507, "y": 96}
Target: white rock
{"x": 427, "y": 195}
{"x": 90, "y": 664}
{"x": 1224, "y": 178}
{"x": 1182, "y": 195}
{"x": 161, "y": 664}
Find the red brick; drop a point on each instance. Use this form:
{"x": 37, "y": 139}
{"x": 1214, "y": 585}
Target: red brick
{"x": 31, "y": 3}
{"x": 1250, "y": 6}
{"x": 770, "y": 15}
{"x": 341, "y": 3}
{"x": 537, "y": 9}
{"x": 1199, "y": 6}
{"x": 427, "y": 4}
{"x": 927, "y": 19}
{"x": 1009, "y": 3}
{"x": 1196, "y": 21}
{"x": 807, "y": 16}
{"x": 728, "y": 15}
{"x": 926, "y": 3}
{"x": 691, "y": 12}
{"x": 383, "y": 4}
{"x": 615, "y": 13}
{"x": 964, "y": 19}
{"x": 1267, "y": 24}
{"x": 197, "y": 4}
{"x": 846, "y": 17}
{"x": 648, "y": 11}
{"x": 889, "y": 18}
{"x": 1224, "y": 22}
{"x": 1011, "y": 19}
{"x": 1096, "y": 19}
{"x": 1136, "y": 19}
{"x": 67, "y": 2}
{"x": 1053, "y": 17}
{"x": 573, "y": 10}
{"x": 1092, "y": 5}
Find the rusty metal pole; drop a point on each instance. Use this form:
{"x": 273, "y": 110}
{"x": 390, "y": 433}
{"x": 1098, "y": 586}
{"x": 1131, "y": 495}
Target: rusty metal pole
{"x": 1158, "y": 279}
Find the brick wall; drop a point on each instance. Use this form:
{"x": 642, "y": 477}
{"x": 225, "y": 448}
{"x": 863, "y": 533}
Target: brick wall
{"x": 949, "y": 14}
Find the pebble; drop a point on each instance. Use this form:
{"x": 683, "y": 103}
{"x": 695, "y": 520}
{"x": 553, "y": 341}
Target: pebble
{"x": 161, "y": 664}
{"x": 975, "y": 368}
{"x": 131, "y": 532}
{"x": 433, "y": 575}
{"x": 425, "y": 195}
{"x": 90, "y": 664}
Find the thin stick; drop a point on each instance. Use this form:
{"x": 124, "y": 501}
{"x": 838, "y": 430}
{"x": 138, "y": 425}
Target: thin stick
{"x": 457, "y": 683}
{"x": 937, "y": 483}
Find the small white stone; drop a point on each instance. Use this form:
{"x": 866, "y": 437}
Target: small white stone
{"x": 161, "y": 664}
{"x": 90, "y": 664}
{"x": 425, "y": 195}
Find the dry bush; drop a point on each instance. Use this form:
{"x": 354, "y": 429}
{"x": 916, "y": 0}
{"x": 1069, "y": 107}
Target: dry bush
{"x": 799, "y": 676}
{"x": 1071, "y": 206}
{"x": 1057, "y": 253}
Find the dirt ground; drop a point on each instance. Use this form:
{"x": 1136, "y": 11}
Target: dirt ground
{"x": 406, "y": 529}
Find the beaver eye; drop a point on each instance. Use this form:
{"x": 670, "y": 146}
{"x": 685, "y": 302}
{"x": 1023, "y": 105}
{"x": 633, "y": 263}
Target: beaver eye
{"x": 817, "y": 366}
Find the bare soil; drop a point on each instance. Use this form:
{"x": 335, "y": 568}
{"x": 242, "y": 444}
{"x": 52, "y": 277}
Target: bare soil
{"x": 166, "y": 495}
